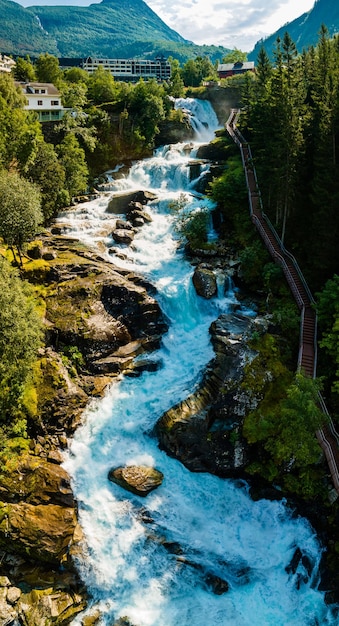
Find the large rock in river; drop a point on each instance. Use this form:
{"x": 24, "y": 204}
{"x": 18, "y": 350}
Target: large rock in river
{"x": 205, "y": 282}
{"x": 138, "y": 479}
{"x": 120, "y": 201}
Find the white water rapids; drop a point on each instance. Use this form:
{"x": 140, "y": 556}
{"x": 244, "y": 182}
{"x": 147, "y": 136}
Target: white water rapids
{"x": 219, "y": 529}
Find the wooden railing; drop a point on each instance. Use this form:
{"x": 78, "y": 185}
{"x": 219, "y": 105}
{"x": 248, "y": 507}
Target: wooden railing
{"x": 307, "y": 359}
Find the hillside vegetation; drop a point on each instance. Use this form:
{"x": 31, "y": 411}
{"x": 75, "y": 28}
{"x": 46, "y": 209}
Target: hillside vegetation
{"x": 113, "y": 29}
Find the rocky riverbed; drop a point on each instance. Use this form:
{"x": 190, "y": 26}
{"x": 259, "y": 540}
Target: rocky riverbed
{"x": 97, "y": 319}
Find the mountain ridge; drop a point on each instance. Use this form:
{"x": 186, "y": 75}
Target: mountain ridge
{"x": 304, "y": 30}
{"x": 109, "y": 29}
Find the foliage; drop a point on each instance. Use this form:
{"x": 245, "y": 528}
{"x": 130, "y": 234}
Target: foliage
{"x": 47, "y": 69}
{"x": 176, "y": 87}
{"x": 292, "y": 123}
{"x": 253, "y": 258}
{"x": 20, "y": 337}
{"x": 191, "y": 223}
{"x": 292, "y": 112}
{"x": 195, "y": 70}
{"x": 229, "y": 191}
{"x": 102, "y": 87}
{"x": 328, "y": 316}
{"x": 287, "y": 426}
{"x": 74, "y": 94}
{"x": 72, "y": 158}
{"x": 20, "y": 210}
{"x": 24, "y": 70}
{"x": 49, "y": 175}
{"x": 234, "y": 55}
{"x": 73, "y": 359}
{"x": 20, "y": 130}
{"x": 146, "y": 109}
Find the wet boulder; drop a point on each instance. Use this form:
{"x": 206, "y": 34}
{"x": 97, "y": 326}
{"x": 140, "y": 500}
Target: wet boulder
{"x": 120, "y": 201}
{"x": 123, "y": 235}
{"x": 123, "y": 224}
{"x": 136, "y": 214}
{"x": 204, "y": 281}
{"x": 138, "y": 479}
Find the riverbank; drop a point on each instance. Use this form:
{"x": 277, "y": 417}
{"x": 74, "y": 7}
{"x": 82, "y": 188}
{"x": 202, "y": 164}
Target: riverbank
{"x": 102, "y": 320}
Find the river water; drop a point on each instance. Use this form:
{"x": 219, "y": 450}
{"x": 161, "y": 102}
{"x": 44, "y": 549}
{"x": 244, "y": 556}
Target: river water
{"x": 220, "y": 531}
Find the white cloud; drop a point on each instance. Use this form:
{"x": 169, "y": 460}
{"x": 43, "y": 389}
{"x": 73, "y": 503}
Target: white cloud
{"x": 235, "y": 23}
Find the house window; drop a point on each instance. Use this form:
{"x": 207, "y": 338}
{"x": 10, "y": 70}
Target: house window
{"x": 54, "y": 103}
{"x": 39, "y": 103}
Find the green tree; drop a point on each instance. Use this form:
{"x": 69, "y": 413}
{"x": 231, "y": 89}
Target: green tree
{"x": 76, "y": 75}
{"x": 20, "y": 130}
{"x": 328, "y": 318}
{"x": 20, "y": 210}
{"x": 146, "y": 110}
{"x": 288, "y": 429}
{"x": 47, "y": 69}
{"x": 176, "y": 87}
{"x": 74, "y": 95}
{"x": 72, "y": 158}
{"x": 24, "y": 70}
{"x": 20, "y": 338}
{"x": 299, "y": 418}
{"x": 102, "y": 87}
{"x": 49, "y": 175}
{"x": 195, "y": 70}
{"x": 235, "y": 55}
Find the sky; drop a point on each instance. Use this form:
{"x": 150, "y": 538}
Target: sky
{"x": 229, "y": 23}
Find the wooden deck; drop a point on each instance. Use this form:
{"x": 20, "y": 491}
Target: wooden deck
{"x": 307, "y": 361}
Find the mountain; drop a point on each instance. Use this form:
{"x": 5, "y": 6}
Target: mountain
{"x": 111, "y": 29}
{"x": 305, "y": 29}
{"x": 20, "y": 32}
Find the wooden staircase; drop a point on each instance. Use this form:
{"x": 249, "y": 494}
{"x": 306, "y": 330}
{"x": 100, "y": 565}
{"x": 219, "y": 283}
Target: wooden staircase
{"x": 307, "y": 360}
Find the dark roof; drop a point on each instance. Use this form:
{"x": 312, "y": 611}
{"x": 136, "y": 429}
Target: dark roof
{"x": 229, "y": 67}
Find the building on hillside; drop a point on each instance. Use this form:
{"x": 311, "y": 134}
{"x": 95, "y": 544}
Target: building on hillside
{"x": 6, "y": 64}
{"x": 44, "y": 99}
{"x": 130, "y": 70}
{"x": 233, "y": 69}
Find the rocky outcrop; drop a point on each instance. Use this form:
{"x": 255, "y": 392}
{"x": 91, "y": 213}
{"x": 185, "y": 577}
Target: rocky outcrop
{"x": 39, "y": 533}
{"x": 120, "y": 201}
{"x": 137, "y": 479}
{"x": 174, "y": 132}
{"x": 203, "y": 431}
{"x": 43, "y": 531}
{"x": 97, "y": 319}
{"x": 204, "y": 281}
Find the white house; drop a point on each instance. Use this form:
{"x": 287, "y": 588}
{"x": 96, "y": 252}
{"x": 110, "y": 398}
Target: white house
{"x": 6, "y": 64}
{"x": 45, "y": 99}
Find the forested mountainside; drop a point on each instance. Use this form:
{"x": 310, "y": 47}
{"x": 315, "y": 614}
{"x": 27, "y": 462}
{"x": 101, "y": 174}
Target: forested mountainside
{"x": 292, "y": 122}
{"x": 113, "y": 29}
{"x": 305, "y": 29}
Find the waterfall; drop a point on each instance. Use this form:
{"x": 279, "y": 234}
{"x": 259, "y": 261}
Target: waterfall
{"x": 153, "y": 560}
